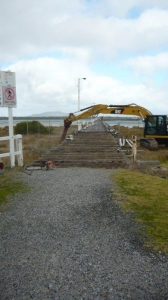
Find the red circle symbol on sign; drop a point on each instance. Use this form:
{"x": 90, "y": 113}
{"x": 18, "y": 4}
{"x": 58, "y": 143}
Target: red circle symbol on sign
{"x": 9, "y": 94}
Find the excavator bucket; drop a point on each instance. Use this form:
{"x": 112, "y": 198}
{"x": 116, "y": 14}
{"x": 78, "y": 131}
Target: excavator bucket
{"x": 66, "y": 126}
{"x": 64, "y": 134}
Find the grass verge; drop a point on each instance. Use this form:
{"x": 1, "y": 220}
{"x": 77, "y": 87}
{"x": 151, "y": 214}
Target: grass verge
{"x": 147, "y": 196}
{"x": 9, "y": 185}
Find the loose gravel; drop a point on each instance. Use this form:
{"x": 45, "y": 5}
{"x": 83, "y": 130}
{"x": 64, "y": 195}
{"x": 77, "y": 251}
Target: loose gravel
{"x": 67, "y": 238}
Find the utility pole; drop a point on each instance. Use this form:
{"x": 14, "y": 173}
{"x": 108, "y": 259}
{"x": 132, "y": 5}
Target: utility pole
{"x": 79, "y": 92}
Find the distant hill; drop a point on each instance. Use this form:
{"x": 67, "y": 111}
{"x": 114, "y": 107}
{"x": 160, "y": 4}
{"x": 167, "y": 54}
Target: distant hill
{"x": 50, "y": 114}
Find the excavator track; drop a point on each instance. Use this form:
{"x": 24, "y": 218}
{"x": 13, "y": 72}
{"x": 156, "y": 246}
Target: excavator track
{"x": 151, "y": 144}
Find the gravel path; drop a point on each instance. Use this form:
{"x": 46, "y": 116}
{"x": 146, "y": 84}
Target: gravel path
{"x": 68, "y": 239}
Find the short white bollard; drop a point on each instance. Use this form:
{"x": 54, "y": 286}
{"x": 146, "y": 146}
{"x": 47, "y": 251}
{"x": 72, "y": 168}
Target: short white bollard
{"x": 134, "y": 147}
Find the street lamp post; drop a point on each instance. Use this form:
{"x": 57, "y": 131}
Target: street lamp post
{"x": 79, "y": 92}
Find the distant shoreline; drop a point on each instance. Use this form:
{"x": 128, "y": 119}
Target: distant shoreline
{"x": 59, "y": 121}
{"x": 33, "y": 118}
{"x": 62, "y": 117}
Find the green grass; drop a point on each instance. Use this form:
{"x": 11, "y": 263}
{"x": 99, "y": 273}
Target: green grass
{"x": 9, "y": 186}
{"x": 165, "y": 164}
{"x": 147, "y": 196}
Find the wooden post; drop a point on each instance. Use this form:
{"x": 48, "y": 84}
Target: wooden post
{"x": 134, "y": 148}
{"x": 19, "y": 148}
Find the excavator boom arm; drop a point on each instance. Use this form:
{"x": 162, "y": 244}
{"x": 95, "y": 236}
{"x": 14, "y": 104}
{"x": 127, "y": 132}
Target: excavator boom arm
{"x": 130, "y": 109}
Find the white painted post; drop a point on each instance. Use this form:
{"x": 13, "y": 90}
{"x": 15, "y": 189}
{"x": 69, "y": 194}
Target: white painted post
{"x": 19, "y": 148}
{"x": 134, "y": 148}
{"x": 79, "y": 127}
{"x": 11, "y": 137}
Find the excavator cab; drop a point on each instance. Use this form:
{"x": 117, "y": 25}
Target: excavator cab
{"x": 156, "y": 126}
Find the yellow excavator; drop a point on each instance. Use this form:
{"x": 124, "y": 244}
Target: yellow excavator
{"x": 155, "y": 129}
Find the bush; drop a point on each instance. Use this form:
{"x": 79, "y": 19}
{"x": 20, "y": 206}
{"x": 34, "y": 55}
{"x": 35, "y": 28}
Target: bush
{"x": 30, "y": 127}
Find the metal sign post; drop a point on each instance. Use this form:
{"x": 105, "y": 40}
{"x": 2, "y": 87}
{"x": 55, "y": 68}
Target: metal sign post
{"x": 11, "y": 137}
{"x": 8, "y": 99}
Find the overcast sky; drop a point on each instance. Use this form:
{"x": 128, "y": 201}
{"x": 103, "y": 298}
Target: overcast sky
{"x": 120, "y": 46}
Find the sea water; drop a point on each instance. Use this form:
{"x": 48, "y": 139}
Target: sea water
{"x": 56, "y": 122}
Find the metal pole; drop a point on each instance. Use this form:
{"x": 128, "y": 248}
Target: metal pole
{"x": 27, "y": 127}
{"x": 49, "y": 126}
{"x": 118, "y": 127}
{"x": 11, "y": 137}
{"x": 78, "y": 94}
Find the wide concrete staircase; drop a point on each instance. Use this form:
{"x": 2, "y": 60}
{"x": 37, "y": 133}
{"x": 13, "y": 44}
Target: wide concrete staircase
{"x": 95, "y": 146}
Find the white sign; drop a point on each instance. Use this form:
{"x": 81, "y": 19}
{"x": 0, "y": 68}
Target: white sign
{"x": 7, "y": 89}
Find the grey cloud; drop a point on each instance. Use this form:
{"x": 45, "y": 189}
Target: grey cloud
{"x": 28, "y": 28}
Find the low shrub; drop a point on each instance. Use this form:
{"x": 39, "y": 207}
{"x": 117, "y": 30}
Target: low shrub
{"x": 30, "y": 127}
